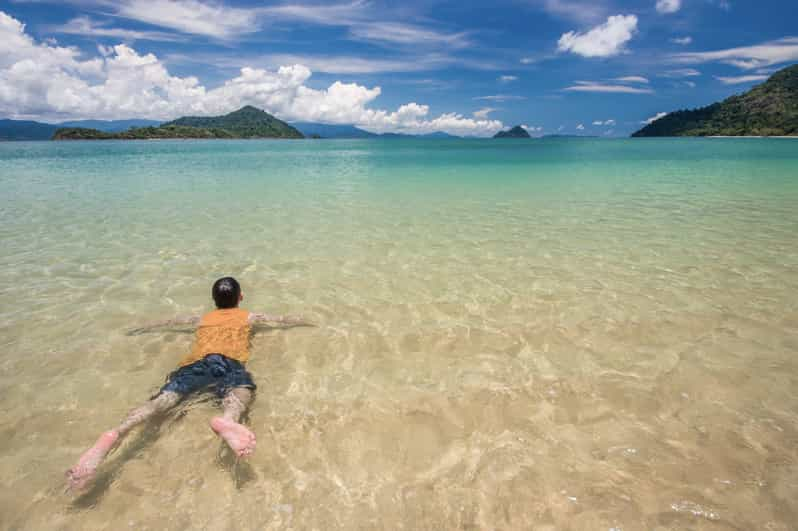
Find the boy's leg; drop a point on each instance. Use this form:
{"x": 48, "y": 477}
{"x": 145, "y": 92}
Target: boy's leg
{"x": 80, "y": 474}
{"x": 238, "y": 437}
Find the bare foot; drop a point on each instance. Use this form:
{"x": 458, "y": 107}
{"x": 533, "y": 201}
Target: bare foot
{"x": 237, "y": 436}
{"x": 82, "y": 473}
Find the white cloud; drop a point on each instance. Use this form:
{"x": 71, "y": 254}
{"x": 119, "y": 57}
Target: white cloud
{"x": 594, "y": 86}
{"x": 747, "y": 57}
{"x": 582, "y": 11}
{"x": 580, "y": 127}
{"x": 333, "y": 64}
{"x": 681, "y": 72}
{"x": 500, "y": 97}
{"x": 346, "y": 64}
{"x": 342, "y": 14}
{"x": 532, "y": 128}
{"x": 668, "y": 6}
{"x": 684, "y": 41}
{"x": 87, "y": 27}
{"x": 190, "y": 16}
{"x": 39, "y": 80}
{"x": 483, "y": 113}
{"x": 507, "y": 79}
{"x": 654, "y": 118}
{"x": 359, "y": 18}
{"x": 609, "y": 122}
{"x": 632, "y": 79}
{"x": 605, "y": 40}
{"x": 736, "y": 80}
{"x": 398, "y": 33}
{"x": 212, "y": 18}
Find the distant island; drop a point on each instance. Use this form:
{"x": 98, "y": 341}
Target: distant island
{"x": 568, "y": 136}
{"x": 247, "y": 122}
{"x": 26, "y": 130}
{"x": 316, "y": 130}
{"x": 769, "y": 109}
{"x": 515, "y": 132}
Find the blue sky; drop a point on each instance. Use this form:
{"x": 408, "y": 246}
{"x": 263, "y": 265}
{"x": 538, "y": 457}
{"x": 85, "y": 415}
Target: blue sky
{"x": 555, "y": 66}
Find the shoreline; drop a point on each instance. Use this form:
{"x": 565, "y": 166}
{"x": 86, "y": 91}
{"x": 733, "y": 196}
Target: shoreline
{"x": 750, "y": 136}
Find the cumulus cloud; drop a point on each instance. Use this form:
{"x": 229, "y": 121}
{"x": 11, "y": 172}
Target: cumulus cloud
{"x": 605, "y": 40}
{"x": 595, "y": 86}
{"x": 654, "y": 118}
{"x": 609, "y": 122}
{"x": 483, "y": 113}
{"x": 580, "y": 127}
{"x": 43, "y": 80}
{"x": 507, "y": 79}
{"x": 684, "y": 41}
{"x": 668, "y": 6}
{"x": 747, "y": 57}
{"x": 736, "y": 80}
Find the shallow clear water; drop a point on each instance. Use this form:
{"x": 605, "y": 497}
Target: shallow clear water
{"x": 549, "y": 334}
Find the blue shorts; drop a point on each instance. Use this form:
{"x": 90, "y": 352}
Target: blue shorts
{"x": 213, "y": 371}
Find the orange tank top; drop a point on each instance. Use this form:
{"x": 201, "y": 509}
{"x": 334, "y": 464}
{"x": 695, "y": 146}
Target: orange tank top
{"x": 224, "y": 332}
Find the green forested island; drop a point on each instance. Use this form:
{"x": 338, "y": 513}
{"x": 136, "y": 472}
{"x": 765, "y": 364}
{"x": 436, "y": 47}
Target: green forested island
{"x": 141, "y": 133}
{"x": 247, "y": 122}
{"x": 515, "y": 132}
{"x": 769, "y": 109}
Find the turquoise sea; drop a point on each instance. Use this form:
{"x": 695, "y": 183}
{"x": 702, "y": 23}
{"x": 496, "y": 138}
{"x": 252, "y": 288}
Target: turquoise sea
{"x": 524, "y": 334}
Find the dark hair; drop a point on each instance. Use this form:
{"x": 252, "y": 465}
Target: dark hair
{"x": 226, "y": 292}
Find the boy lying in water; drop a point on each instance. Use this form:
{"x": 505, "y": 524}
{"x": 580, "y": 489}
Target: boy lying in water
{"x": 216, "y": 360}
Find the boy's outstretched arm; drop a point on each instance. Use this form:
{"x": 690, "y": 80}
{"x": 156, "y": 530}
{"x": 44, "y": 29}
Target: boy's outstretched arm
{"x": 279, "y": 320}
{"x": 192, "y": 320}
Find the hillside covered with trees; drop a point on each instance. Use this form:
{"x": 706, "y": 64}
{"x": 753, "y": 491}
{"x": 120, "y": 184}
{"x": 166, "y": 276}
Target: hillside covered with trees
{"x": 769, "y": 109}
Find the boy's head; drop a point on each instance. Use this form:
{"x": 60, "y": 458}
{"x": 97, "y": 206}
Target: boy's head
{"x": 226, "y": 293}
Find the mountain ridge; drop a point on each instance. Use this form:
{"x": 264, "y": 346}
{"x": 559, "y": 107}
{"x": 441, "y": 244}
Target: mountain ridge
{"x": 203, "y": 127}
{"x": 246, "y": 122}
